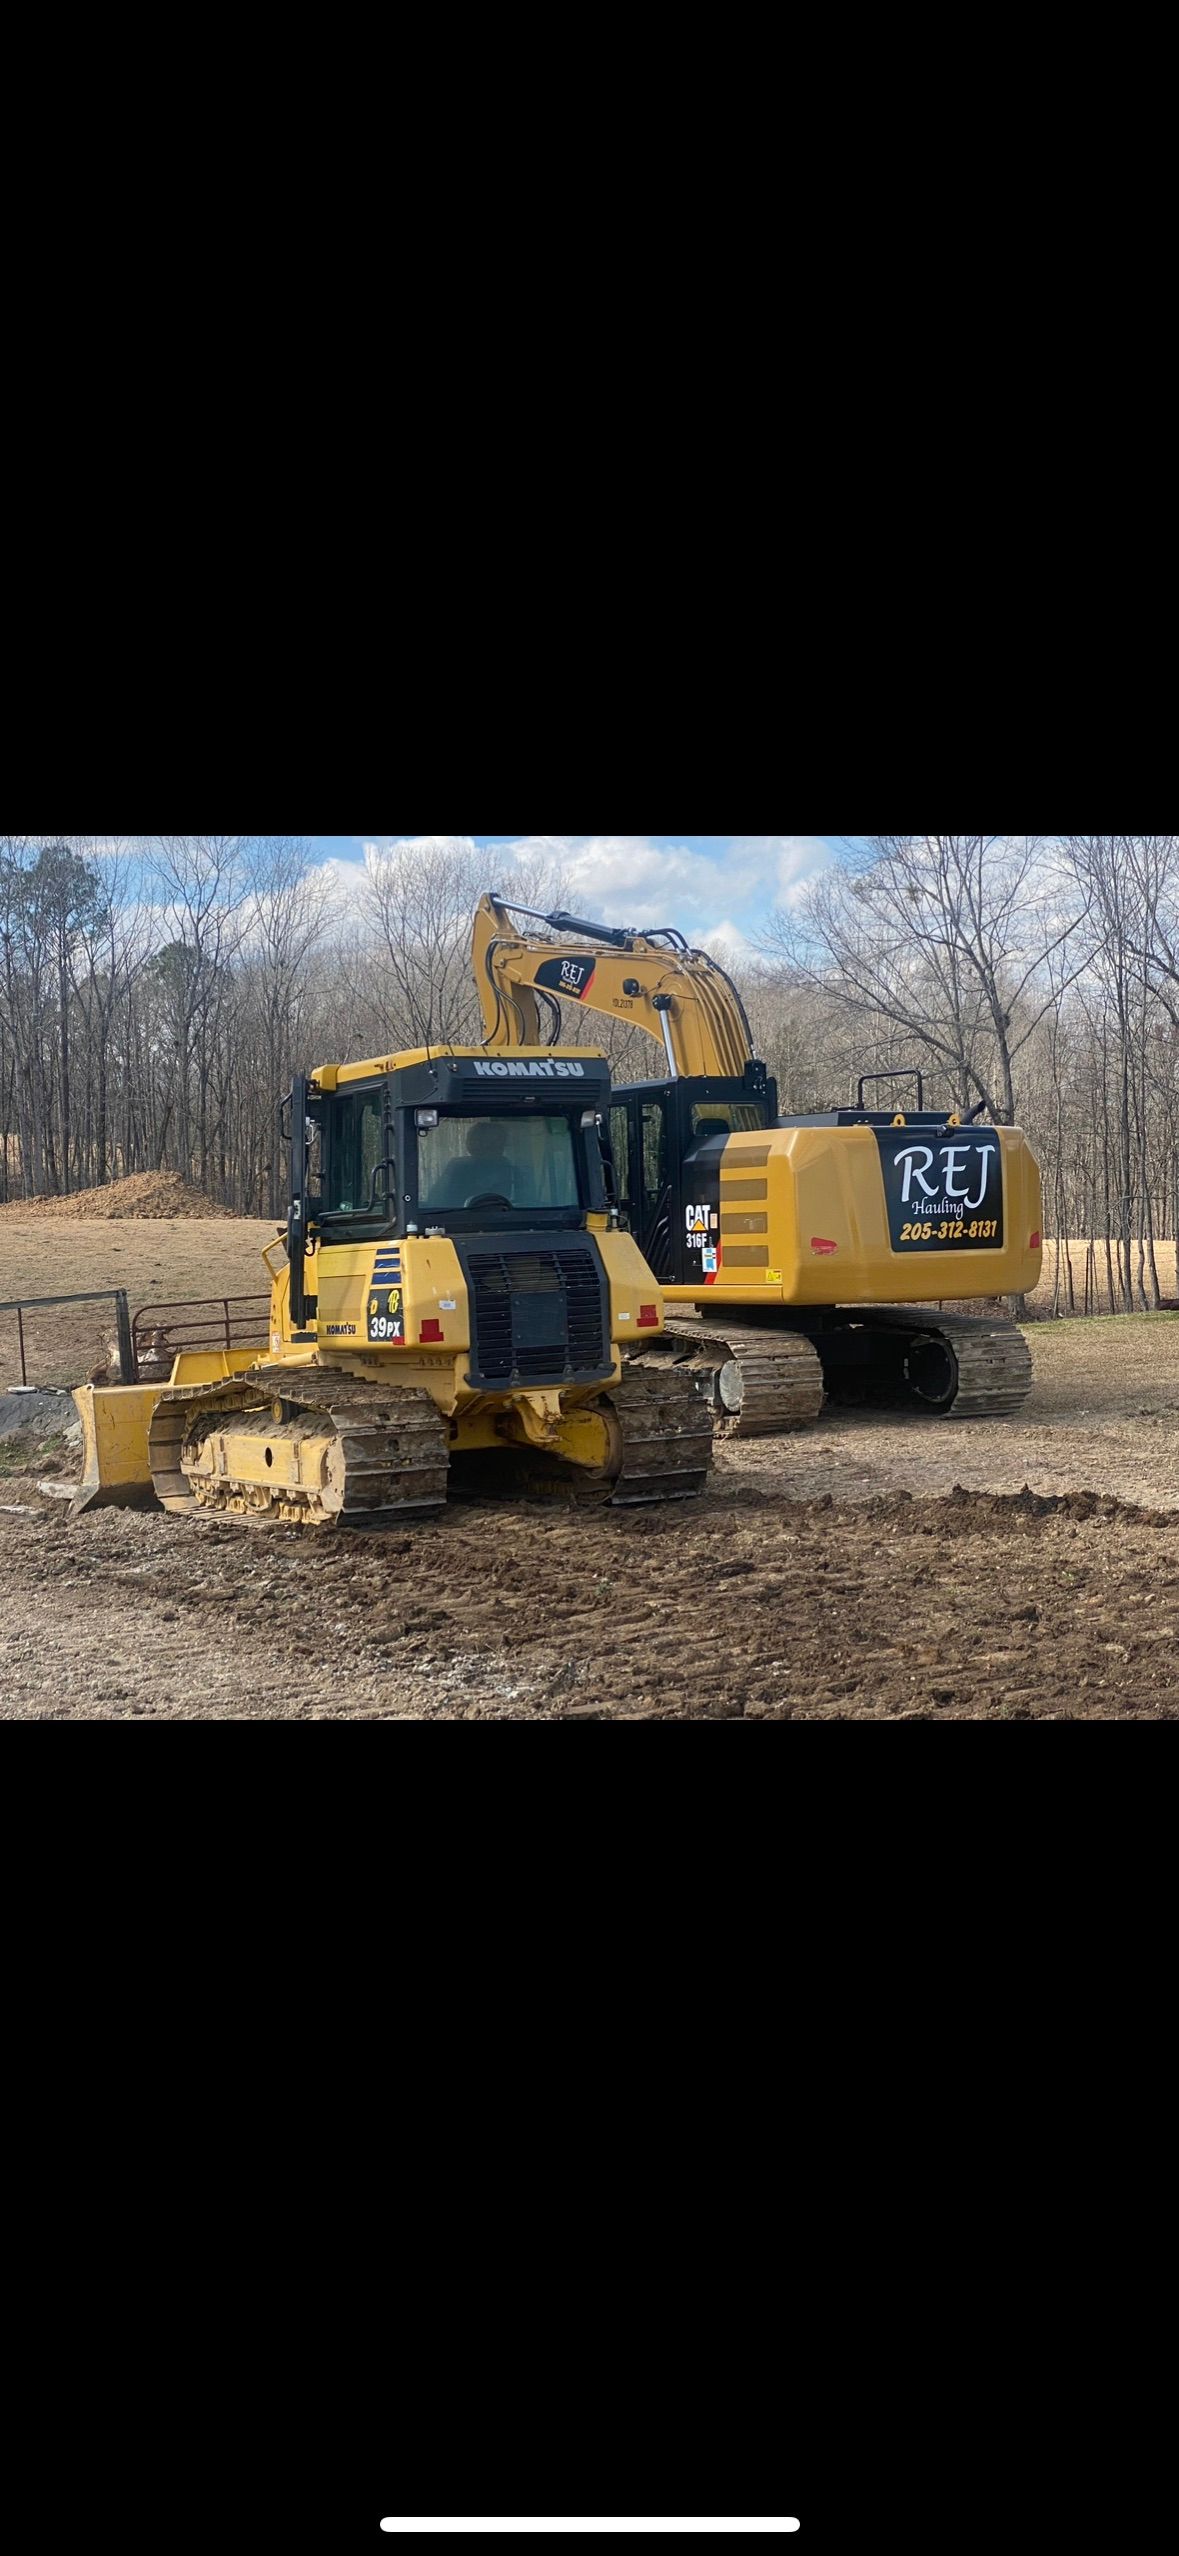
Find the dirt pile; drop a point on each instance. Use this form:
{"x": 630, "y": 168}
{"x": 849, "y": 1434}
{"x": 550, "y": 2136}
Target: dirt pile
{"x": 160, "y": 1196}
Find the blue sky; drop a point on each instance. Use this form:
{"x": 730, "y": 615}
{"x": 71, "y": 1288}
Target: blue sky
{"x": 712, "y": 884}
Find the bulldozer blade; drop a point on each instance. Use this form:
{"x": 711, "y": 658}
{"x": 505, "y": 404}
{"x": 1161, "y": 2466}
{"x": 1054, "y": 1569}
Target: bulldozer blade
{"x": 115, "y": 1471}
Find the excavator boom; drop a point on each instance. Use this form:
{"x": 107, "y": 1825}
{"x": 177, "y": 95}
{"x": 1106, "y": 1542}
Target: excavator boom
{"x": 652, "y": 980}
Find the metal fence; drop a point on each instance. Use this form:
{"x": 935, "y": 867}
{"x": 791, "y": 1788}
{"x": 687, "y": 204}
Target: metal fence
{"x": 158, "y": 1331}
{"x": 200, "y": 1322}
{"x": 127, "y": 1361}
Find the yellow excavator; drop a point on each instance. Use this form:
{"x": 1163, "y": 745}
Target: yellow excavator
{"x": 815, "y": 1249}
{"x": 456, "y": 1282}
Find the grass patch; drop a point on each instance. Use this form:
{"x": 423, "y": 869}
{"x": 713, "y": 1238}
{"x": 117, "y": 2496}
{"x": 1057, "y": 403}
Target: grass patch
{"x": 1046, "y": 1325}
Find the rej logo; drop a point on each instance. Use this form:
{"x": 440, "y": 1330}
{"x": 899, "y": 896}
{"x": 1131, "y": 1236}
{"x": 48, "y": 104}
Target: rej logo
{"x": 916, "y": 1162}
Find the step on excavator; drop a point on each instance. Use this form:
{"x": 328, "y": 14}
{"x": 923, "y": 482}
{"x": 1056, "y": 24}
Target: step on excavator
{"x": 456, "y": 1283}
{"x": 819, "y": 1251}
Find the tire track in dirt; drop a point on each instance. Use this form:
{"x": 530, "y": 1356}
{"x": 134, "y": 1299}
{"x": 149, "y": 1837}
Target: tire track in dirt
{"x": 1008, "y": 1606}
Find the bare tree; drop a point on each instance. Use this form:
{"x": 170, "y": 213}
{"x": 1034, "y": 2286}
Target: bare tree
{"x": 203, "y": 882}
{"x": 283, "y": 922}
{"x": 420, "y": 899}
{"x": 944, "y": 936}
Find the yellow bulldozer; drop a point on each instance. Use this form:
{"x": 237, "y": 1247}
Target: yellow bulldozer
{"x": 456, "y": 1283}
{"x": 819, "y": 1251}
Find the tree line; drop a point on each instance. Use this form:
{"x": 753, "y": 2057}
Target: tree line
{"x": 156, "y": 995}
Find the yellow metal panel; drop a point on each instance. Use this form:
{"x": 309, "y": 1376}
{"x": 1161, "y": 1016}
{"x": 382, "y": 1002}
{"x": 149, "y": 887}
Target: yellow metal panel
{"x": 253, "y": 1451}
{"x": 115, "y": 1422}
{"x": 116, "y": 1419}
{"x": 432, "y": 1289}
{"x": 631, "y": 1288}
{"x": 828, "y": 1241}
{"x": 208, "y": 1366}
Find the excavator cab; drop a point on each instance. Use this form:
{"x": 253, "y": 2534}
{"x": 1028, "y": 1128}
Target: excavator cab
{"x": 667, "y": 1141}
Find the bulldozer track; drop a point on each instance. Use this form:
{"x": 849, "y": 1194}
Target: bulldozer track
{"x": 394, "y": 1448}
{"x": 662, "y": 1431}
{"x": 666, "y": 1435}
{"x": 765, "y": 1382}
{"x": 393, "y": 1452}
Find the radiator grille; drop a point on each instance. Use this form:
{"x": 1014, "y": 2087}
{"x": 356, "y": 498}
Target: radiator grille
{"x": 538, "y": 1316}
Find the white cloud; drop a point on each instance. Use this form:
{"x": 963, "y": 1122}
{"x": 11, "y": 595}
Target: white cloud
{"x": 728, "y": 943}
{"x": 619, "y": 873}
{"x": 780, "y": 861}
{"x": 380, "y": 846}
{"x": 696, "y": 889}
{"x": 641, "y": 880}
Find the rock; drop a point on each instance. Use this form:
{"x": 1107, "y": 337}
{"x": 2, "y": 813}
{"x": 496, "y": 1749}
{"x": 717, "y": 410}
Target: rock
{"x": 34, "y": 1411}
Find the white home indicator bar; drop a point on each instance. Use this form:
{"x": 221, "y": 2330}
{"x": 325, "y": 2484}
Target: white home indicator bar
{"x": 717, "y": 2527}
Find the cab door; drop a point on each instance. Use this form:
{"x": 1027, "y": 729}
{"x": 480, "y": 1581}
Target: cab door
{"x": 647, "y": 1183}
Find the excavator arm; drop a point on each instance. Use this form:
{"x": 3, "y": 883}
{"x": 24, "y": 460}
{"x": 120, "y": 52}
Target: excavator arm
{"x": 653, "y": 980}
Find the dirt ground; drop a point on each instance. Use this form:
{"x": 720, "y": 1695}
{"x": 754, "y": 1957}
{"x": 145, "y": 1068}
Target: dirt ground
{"x": 1103, "y": 1414}
{"x": 870, "y": 1568}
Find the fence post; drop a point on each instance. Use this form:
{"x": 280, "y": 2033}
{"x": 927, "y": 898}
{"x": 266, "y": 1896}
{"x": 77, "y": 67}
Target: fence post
{"x": 128, "y": 1362}
{"x": 20, "y": 1333}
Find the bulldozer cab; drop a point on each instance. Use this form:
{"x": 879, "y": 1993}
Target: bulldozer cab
{"x": 456, "y": 1143}
{"x": 667, "y": 1139}
{"x": 451, "y": 1145}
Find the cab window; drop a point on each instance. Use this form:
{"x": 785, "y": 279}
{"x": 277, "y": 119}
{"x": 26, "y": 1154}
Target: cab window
{"x": 357, "y": 1145}
{"x": 519, "y": 1162}
{"x": 620, "y": 1147}
{"x": 654, "y": 1149}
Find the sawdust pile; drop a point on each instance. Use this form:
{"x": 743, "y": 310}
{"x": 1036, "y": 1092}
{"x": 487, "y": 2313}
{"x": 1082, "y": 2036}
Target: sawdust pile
{"x": 160, "y": 1196}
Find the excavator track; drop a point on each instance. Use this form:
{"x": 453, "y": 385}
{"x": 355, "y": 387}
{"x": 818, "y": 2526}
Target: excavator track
{"x": 957, "y": 1366}
{"x": 763, "y": 1382}
{"x": 766, "y": 1382}
{"x": 386, "y": 1455}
